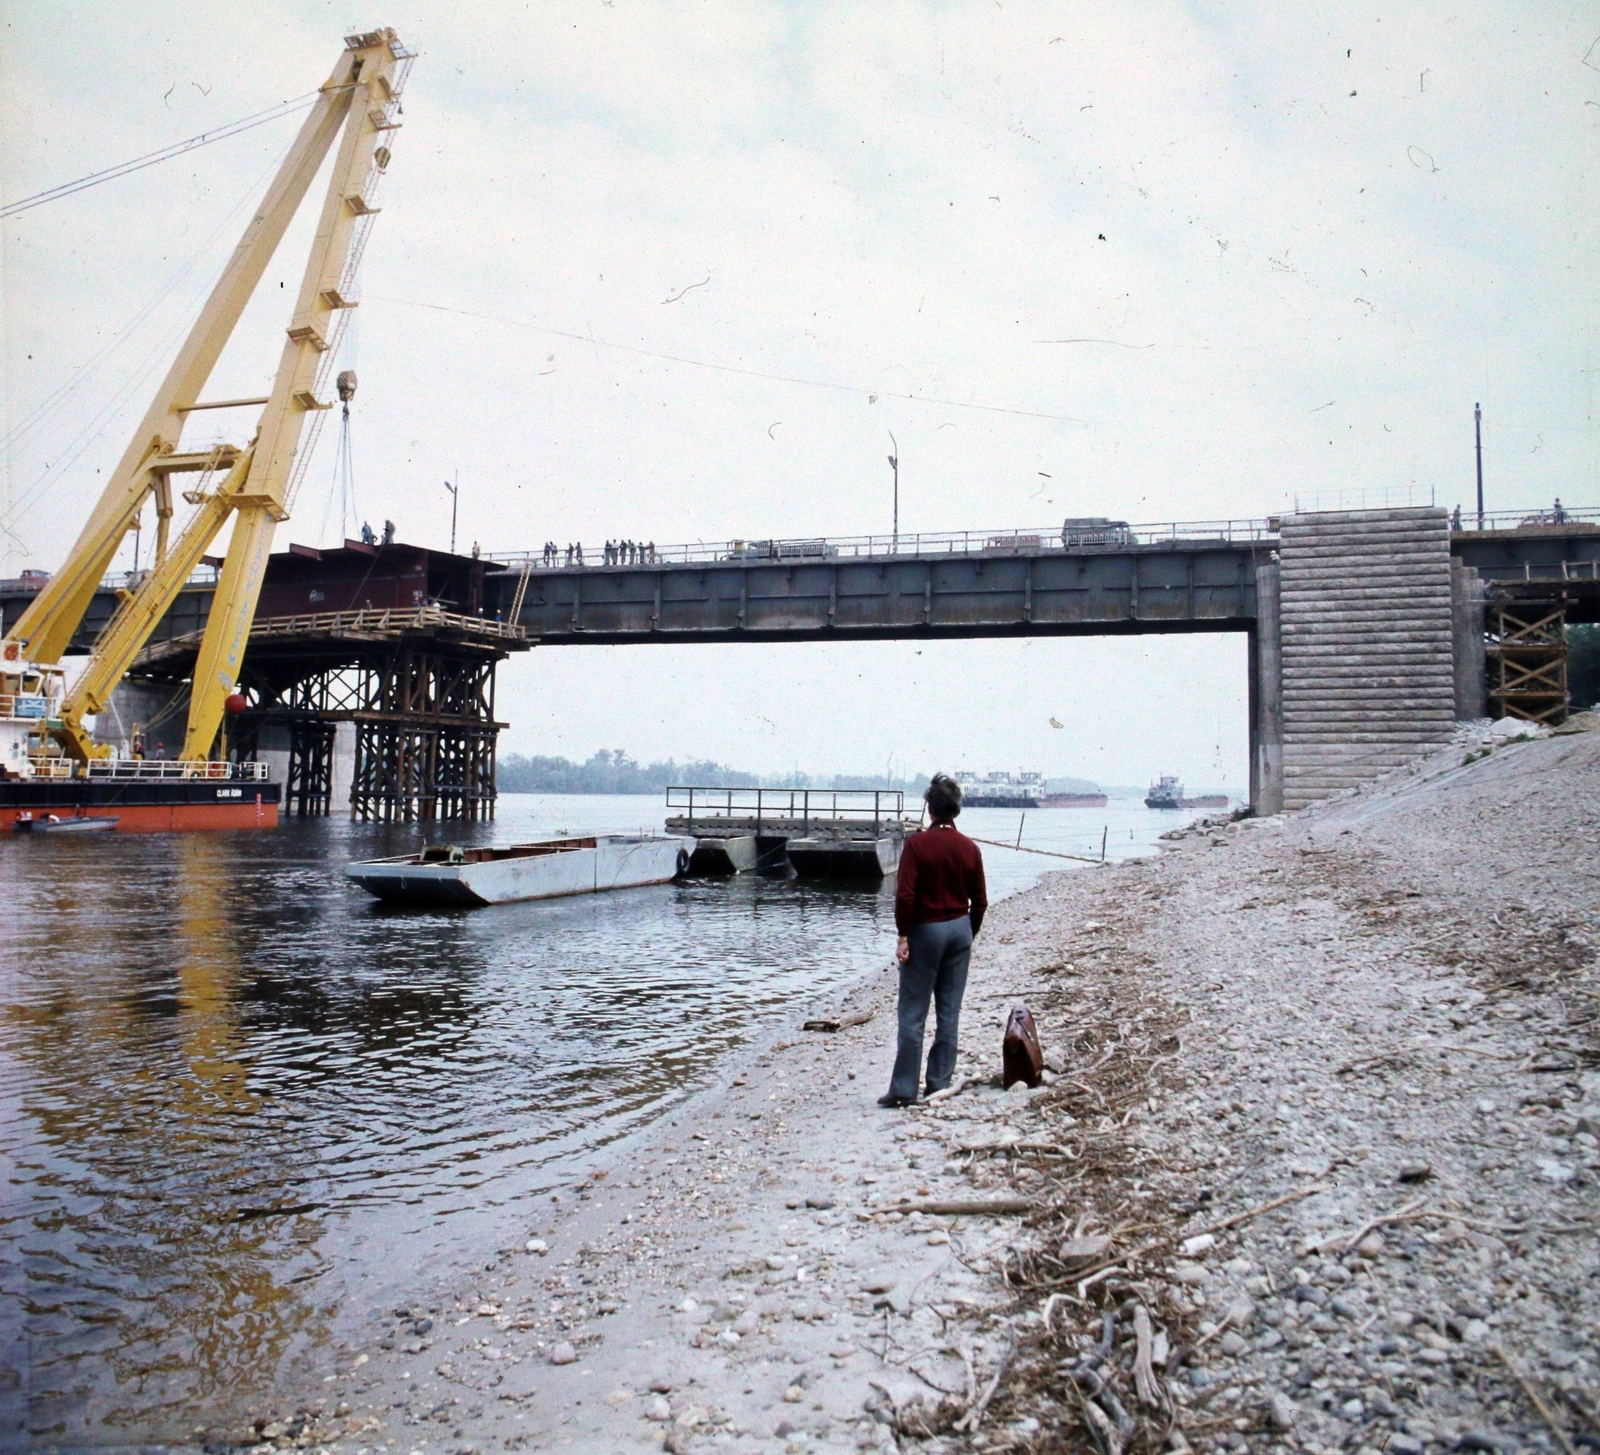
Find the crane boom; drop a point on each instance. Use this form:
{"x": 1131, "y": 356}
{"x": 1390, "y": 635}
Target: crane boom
{"x": 361, "y": 97}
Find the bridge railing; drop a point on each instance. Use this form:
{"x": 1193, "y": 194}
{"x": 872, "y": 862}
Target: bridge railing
{"x": 370, "y": 619}
{"x": 1555, "y": 519}
{"x": 383, "y": 619}
{"x": 770, "y": 805}
{"x": 1551, "y": 571}
{"x": 144, "y": 769}
{"x": 1075, "y": 537}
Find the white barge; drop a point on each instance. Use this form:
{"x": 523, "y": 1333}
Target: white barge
{"x": 546, "y": 869}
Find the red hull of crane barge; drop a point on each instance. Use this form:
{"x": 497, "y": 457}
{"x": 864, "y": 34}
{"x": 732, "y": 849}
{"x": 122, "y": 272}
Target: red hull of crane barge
{"x": 151, "y": 806}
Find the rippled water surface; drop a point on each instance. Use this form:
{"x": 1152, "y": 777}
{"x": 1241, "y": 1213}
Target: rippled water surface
{"x": 243, "y": 1103}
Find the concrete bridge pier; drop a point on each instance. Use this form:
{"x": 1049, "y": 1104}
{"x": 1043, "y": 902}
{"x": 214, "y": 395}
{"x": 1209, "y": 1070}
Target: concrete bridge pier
{"x": 1368, "y": 648}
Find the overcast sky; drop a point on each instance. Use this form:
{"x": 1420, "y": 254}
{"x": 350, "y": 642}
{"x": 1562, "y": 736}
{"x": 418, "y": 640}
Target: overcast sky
{"x": 1151, "y": 261}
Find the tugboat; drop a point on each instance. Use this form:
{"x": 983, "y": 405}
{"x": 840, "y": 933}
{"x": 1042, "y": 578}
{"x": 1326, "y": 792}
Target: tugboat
{"x": 1166, "y": 792}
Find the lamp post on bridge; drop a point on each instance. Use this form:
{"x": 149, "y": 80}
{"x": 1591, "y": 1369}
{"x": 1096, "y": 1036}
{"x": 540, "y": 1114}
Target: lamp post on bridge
{"x": 454, "y": 501}
{"x": 1477, "y": 431}
{"x": 894, "y": 464}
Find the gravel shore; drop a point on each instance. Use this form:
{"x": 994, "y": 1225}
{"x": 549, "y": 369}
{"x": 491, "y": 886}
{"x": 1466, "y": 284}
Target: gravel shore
{"x": 1318, "y": 1172}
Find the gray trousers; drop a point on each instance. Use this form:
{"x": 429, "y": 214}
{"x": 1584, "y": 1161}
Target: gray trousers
{"x": 936, "y": 971}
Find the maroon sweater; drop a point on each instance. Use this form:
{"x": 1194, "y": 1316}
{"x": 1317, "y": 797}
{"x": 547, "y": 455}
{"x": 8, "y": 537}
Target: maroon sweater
{"x": 941, "y": 877}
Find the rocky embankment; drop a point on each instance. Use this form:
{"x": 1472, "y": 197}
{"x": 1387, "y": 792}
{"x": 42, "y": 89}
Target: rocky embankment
{"x": 1318, "y": 1172}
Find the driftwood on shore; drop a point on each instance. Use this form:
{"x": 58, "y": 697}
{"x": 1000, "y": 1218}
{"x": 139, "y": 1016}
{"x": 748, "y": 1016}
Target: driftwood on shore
{"x": 839, "y": 1023}
{"x": 981, "y": 1207}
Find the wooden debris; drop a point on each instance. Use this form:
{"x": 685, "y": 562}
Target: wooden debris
{"x": 974, "y": 1416}
{"x": 1102, "y": 1423}
{"x": 1084, "y": 1250}
{"x": 1536, "y": 1399}
{"x": 840, "y": 1023}
{"x": 1144, "y": 1375}
{"x": 1042, "y": 1149}
{"x": 988, "y": 1207}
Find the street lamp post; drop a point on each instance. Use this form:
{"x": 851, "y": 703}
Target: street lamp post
{"x": 454, "y": 501}
{"x": 894, "y": 464}
{"x": 1477, "y": 430}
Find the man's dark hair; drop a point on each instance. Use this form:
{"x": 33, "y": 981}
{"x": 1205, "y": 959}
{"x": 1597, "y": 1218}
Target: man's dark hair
{"x": 943, "y": 797}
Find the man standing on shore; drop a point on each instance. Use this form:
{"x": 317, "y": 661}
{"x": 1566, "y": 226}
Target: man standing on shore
{"x": 939, "y": 901}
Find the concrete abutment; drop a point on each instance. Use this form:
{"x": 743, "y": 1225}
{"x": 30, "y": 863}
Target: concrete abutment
{"x": 1368, "y": 648}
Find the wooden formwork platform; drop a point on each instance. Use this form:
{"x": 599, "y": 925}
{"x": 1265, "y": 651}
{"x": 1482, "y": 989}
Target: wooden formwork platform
{"x": 1527, "y": 649}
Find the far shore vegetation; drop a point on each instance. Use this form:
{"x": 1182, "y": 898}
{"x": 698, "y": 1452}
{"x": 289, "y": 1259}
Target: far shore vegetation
{"x": 612, "y": 770}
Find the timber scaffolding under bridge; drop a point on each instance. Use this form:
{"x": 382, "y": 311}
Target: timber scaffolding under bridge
{"x": 369, "y": 679}
{"x": 1371, "y": 631}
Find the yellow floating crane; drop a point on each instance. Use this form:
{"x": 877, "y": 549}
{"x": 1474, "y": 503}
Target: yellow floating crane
{"x": 254, "y": 482}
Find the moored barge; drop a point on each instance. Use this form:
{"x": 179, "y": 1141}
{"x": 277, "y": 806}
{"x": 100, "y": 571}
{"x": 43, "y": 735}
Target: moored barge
{"x": 544, "y": 869}
{"x": 39, "y": 786}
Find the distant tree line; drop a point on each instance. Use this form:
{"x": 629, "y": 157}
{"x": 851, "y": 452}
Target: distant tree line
{"x": 611, "y": 770}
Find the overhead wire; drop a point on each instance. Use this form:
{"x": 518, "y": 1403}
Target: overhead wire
{"x": 74, "y": 448}
{"x": 584, "y": 338}
{"x": 165, "y": 154}
{"x": 30, "y": 421}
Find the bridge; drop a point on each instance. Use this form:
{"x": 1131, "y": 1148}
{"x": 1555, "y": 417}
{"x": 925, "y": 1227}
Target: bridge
{"x": 1115, "y": 578}
{"x": 1370, "y": 632}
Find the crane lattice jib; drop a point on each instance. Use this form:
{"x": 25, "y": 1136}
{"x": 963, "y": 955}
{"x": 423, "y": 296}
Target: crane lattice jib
{"x": 361, "y": 100}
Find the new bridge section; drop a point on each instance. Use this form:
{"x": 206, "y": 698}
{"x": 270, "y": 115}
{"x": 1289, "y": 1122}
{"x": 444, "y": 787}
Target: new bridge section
{"x": 1163, "y": 579}
{"x": 1111, "y": 579}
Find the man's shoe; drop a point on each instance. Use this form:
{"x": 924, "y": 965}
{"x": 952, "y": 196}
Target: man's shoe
{"x": 889, "y": 1099}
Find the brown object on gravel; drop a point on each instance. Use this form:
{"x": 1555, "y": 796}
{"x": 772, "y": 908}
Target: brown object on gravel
{"x": 1020, "y": 1056}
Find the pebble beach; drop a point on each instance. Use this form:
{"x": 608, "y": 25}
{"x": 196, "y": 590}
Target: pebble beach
{"x": 1314, "y": 1168}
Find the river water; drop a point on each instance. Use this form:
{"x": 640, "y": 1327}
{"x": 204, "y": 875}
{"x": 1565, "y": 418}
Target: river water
{"x": 244, "y": 1105}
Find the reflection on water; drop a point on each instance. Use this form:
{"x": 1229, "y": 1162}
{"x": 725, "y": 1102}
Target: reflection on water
{"x": 243, "y": 1103}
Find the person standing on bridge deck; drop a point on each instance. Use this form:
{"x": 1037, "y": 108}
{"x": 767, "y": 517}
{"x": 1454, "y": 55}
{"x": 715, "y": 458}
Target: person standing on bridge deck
{"x": 939, "y": 903}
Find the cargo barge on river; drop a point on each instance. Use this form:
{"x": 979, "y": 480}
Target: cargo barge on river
{"x": 1001, "y": 790}
{"x": 1019, "y": 790}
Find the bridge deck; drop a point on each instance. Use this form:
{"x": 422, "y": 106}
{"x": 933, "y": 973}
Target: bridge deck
{"x": 1187, "y": 586}
{"x": 1163, "y": 578}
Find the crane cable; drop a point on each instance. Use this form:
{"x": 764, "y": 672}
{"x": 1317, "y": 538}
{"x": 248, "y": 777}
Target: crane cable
{"x": 21, "y": 505}
{"x": 177, "y": 149}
